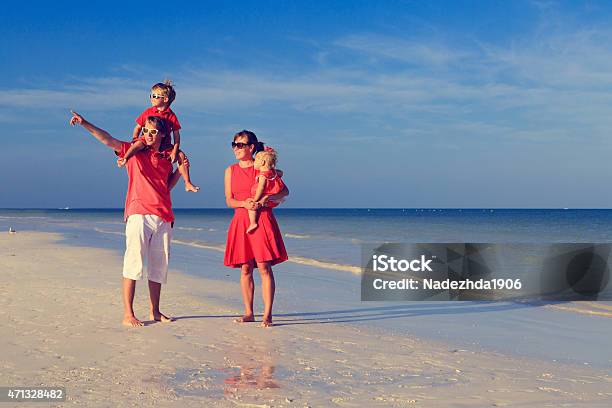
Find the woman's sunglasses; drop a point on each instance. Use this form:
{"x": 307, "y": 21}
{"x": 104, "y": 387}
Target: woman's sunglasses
{"x": 239, "y": 145}
{"x": 157, "y": 96}
{"x": 152, "y": 131}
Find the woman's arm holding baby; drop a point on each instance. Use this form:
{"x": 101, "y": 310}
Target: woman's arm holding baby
{"x": 275, "y": 197}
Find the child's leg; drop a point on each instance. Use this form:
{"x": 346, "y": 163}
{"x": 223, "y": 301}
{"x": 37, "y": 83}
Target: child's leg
{"x": 136, "y": 146}
{"x": 253, "y": 220}
{"x": 189, "y": 186}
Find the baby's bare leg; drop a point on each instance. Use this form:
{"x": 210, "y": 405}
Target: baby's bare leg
{"x": 253, "y": 220}
{"x": 184, "y": 170}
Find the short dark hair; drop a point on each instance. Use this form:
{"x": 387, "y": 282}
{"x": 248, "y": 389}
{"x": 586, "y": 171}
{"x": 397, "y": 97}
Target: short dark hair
{"x": 160, "y": 124}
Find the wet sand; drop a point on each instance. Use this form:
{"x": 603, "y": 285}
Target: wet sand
{"x": 61, "y": 311}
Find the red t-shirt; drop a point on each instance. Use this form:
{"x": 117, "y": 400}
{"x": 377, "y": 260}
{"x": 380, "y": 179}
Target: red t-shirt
{"x": 167, "y": 115}
{"x": 148, "y": 190}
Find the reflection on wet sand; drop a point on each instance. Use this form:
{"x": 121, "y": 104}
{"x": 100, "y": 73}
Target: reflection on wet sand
{"x": 233, "y": 382}
{"x": 247, "y": 372}
{"x": 250, "y": 378}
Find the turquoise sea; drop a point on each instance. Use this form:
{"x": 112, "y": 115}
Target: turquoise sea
{"x": 335, "y": 235}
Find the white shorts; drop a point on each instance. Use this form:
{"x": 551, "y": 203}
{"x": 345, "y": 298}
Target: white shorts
{"x": 147, "y": 237}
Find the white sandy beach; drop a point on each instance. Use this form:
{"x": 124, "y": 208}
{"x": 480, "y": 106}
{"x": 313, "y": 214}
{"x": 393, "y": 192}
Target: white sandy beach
{"x": 61, "y": 309}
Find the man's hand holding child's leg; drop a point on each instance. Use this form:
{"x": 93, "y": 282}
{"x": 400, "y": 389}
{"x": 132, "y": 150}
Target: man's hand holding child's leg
{"x": 184, "y": 170}
{"x": 174, "y": 154}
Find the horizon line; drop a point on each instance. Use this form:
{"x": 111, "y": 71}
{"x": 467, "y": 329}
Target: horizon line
{"x": 312, "y": 208}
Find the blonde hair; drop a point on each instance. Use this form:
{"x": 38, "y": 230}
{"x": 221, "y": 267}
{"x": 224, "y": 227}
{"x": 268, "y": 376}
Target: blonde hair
{"x": 166, "y": 88}
{"x": 269, "y": 156}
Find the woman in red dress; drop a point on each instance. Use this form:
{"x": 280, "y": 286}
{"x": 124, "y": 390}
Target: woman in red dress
{"x": 263, "y": 247}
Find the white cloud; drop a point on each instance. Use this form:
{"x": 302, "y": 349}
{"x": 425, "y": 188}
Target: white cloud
{"x": 548, "y": 84}
{"x": 412, "y": 52}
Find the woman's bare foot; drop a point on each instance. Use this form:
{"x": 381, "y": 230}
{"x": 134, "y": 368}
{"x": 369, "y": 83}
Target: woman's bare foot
{"x": 245, "y": 319}
{"x": 191, "y": 188}
{"x": 132, "y": 321}
{"x": 160, "y": 317}
{"x": 266, "y": 322}
{"x": 252, "y": 227}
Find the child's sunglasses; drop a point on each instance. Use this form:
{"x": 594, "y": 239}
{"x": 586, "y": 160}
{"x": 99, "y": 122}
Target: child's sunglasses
{"x": 152, "y": 131}
{"x": 239, "y": 145}
{"x": 156, "y": 96}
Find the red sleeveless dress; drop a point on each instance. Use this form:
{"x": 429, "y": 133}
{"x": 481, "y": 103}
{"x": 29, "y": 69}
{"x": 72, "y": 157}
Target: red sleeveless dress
{"x": 265, "y": 244}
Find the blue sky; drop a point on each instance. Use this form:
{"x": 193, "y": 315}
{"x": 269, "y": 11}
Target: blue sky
{"x": 369, "y": 104}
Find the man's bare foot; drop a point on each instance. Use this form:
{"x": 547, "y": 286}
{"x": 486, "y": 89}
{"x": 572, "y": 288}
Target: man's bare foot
{"x": 252, "y": 227}
{"x": 132, "y": 321}
{"x": 266, "y": 322}
{"x": 245, "y": 319}
{"x": 160, "y": 317}
{"x": 191, "y": 188}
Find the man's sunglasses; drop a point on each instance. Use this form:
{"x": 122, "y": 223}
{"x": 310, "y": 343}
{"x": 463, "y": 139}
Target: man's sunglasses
{"x": 239, "y": 145}
{"x": 157, "y": 96}
{"x": 147, "y": 130}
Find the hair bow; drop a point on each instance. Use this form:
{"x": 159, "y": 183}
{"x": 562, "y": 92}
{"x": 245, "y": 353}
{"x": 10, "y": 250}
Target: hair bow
{"x": 269, "y": 149}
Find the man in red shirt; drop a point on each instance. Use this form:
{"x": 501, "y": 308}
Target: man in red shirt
{"x": 148, "y": 213}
